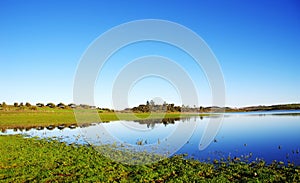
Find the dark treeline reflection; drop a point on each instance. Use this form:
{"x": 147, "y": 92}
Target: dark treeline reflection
{"x": 48, "y": 127}
{"x": 149, "y": 122}
{"x": 166, "y": 121}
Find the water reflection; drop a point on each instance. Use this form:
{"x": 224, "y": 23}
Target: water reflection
{"x": 268, "y": 136}
{"x": 149, "y": 122}
{"x": 49, "y": 127}
{"x": 166, "y": 121}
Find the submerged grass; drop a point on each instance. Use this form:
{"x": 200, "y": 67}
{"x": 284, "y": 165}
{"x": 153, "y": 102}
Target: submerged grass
{"x": 32, "y": 160}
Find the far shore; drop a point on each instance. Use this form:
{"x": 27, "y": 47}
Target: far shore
{"x": 26, "y": 117}
{"x": 66, "y": 117}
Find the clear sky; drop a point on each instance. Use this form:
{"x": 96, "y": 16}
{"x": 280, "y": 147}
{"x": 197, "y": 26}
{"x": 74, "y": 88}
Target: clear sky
{"x": 257, "y": 44}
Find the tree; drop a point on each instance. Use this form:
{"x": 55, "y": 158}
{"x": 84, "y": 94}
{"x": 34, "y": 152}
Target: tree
{"x": 4, "y": 104}
{"x": 201, "y": 109}
{"x": 84, "y": 106}
{"x": 164, "y": 107}
{"x": 16, "y": 104}
{"x": 72, "y": 105}
{"x": 51, "y": 105}
{"x": 61, "y": 105}
{"x": 27, "y": 104}
{"x": 39, "y": 105}
{"x": 171, "y": 107}
{"x": 152, "y": 102}
{"x": 21, "y": 104}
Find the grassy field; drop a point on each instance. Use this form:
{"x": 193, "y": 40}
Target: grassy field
{"x": 32, "y": 160}
{"x": 47, "y": 116}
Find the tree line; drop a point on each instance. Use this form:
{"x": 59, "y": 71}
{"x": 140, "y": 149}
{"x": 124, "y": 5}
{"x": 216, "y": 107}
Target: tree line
{"x": 150, "y": 106}
{"x": 165, "y": 107}
{"x": 60, "y": 105}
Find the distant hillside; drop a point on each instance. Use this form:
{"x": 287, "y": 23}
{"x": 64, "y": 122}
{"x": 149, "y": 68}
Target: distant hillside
{"x": 271, "y": 108}
{"x": 254, "y": 108}
{"x": 172, "y": 108}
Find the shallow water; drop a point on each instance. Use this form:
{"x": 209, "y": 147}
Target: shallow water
{"x": 266, "y": 135}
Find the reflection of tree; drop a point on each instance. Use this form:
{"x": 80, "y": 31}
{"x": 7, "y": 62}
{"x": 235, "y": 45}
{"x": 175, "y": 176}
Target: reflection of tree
{"x": 49, "y": 127}
{"x": 149, "y": 122}
{"x": 166, "y": 121}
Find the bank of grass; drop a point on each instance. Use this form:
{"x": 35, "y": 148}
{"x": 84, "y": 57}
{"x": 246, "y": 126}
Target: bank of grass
{"x": 32, "y": 160}
{"x": 47, "y": 116}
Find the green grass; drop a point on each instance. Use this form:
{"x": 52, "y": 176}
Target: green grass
{"x": 32, "y": 160}
{"x": 47, "y": 116}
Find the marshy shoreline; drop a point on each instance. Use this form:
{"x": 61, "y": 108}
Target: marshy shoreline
{"x": 31, "y": 159}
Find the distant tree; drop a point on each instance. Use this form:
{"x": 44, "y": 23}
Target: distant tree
{"x": 147, "y": 103}
{"x": 27, "y": 104}
{"x": 177, "y": 108}
{"x": 84, "y": 106}
{"x": 16, "y": 104}
{"x": 171, "y": 107}
{"x": 157, "y": 107}
{"x": 40, "y": 105}
{"x": 152, "y": 102}
{"x": 201, "y": 109}
{"x": 164, "y": 106}
{"x": 21, "y": 104}
{"x": 51, "y": 105}
{"x": 72, "y": 105}
{"x": 61, "y": 105}
{"x": 141, "y": 108}
{"x": 4, "y": 104}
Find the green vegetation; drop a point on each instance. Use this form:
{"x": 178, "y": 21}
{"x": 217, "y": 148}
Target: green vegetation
{"x": 28, "y": 119}
{"x": 33, "y": 116}
{"x": 32, "y": 160}
{"x": 152, "y": 107}
{"x": 19, "y": 115}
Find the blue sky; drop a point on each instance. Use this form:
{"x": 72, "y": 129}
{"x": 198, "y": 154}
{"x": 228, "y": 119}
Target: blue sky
{"x": 256, "y": 43}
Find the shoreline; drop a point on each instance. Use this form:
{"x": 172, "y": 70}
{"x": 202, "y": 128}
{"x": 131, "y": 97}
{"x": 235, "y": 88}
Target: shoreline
{"x": 27, "y": 119}
{"x": 54, "y": 161}
{"x": 43, "y": 118}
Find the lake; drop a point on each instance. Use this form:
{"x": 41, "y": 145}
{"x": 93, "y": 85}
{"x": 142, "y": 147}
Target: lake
{"x": 269, "y": 136}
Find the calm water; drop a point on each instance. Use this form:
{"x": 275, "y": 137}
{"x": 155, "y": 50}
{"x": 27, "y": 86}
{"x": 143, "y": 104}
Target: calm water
{"x": 268, "y": 135}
